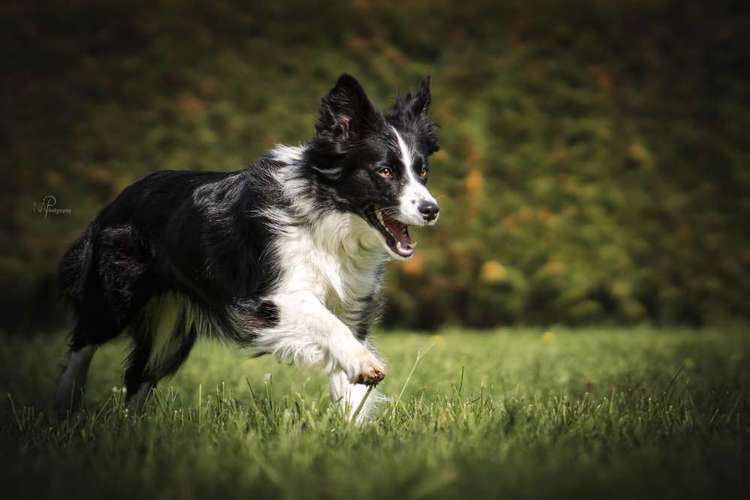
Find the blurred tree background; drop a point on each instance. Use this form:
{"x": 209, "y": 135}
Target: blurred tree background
{"x": 594, "y": 162}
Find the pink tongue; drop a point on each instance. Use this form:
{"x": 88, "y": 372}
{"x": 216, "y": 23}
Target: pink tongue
{"x": 396, "y": 229}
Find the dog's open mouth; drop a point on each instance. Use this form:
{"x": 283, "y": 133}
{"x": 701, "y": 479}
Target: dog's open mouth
{"x": 395, "y": 233}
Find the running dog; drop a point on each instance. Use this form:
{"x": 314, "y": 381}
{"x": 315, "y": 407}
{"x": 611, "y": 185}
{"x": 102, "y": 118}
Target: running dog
{"x": 285, "y": 257}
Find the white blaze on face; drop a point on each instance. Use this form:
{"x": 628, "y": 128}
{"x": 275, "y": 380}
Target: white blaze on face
{"x": 413, "y": 192}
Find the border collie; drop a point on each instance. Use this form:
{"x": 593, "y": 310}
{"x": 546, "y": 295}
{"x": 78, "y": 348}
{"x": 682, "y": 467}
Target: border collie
{"x": 285, "y": 257}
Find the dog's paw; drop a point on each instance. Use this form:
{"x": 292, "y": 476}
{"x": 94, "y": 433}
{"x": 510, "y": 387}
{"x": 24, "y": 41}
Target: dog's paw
{"x": 373, "y": 375}
{"x": 370, "y": 371}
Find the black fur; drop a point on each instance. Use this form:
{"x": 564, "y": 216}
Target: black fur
{"x": 204, "y": 235}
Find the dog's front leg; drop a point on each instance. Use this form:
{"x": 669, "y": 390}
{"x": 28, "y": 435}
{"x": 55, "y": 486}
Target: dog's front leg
{"x": 308, "y": 333}
{"x": 349, "y": 397}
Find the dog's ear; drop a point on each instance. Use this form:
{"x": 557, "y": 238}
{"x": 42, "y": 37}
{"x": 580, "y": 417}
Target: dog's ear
{"x": 412, "y": 111}
{"x": 419, "y": 102}
{"x": 413, "y": 105}
{"x": 346, "y": 113}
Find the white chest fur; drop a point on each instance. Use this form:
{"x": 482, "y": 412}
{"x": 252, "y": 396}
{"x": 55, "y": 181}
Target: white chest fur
{"x": 337, "y": 258}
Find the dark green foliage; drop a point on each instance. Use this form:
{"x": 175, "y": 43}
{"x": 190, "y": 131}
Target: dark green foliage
{"x": 594, "y": 161}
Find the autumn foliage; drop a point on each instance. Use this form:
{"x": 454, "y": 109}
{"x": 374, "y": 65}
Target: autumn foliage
{"x": 594, "y": 162}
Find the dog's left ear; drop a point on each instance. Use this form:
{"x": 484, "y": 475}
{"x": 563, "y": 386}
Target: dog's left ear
{"x": 419, "y": 102}
{"x": 414, "y": 104}
{"x": 412, "y": 111}
{"x": 346, "y": 113}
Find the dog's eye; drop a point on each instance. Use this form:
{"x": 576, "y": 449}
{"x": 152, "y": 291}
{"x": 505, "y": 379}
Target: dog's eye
{"x": 385, "y": 172}
{"x": 423, "y": 171}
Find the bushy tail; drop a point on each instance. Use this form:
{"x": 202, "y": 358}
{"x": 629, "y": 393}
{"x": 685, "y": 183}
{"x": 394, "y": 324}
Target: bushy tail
{"x": 75, "y": 267}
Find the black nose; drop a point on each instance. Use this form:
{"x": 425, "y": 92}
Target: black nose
{"x": 428, "y": 209}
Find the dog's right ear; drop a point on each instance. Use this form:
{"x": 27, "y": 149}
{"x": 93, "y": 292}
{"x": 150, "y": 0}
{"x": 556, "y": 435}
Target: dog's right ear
{"x": 346, "y": 113}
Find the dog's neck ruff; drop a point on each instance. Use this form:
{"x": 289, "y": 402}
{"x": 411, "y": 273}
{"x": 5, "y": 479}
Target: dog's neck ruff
{"x": 337, "y": 255}
{"x": 334, "y": 231}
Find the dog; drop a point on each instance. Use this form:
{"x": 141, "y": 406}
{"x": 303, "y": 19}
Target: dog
{"x": 285, "y": 257}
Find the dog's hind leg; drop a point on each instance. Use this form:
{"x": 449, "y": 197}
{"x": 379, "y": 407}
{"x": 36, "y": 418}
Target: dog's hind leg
{"x": 72, "y": 380}
{"x": 137, "y": 384}
{"x": 101, "y": 275}
{"x": 163, "y": 338}
{"x": 147, "y": 368}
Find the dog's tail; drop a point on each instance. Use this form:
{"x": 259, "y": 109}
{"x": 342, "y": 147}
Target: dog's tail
{"x": 75, "y": 267}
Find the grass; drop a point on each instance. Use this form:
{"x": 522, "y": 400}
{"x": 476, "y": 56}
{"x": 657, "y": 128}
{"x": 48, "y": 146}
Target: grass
{"x": 510, "y": 414}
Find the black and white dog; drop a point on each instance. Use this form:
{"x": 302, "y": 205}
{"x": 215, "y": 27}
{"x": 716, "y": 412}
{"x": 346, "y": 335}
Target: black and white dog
{"x": 284, "y": 257}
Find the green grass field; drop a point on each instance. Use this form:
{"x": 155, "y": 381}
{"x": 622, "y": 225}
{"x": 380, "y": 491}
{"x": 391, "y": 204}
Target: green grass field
{"x": 511, "y": 414}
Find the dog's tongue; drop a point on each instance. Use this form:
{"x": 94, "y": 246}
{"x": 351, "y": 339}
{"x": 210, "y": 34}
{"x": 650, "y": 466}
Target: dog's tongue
{"x": 401, "y": 233}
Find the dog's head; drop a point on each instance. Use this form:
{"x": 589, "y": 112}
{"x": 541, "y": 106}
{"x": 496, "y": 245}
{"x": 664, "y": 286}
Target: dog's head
{"x": 376, "y": 164}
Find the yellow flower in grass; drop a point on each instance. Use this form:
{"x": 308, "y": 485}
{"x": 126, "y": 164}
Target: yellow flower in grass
{"x": 548, "y": 337}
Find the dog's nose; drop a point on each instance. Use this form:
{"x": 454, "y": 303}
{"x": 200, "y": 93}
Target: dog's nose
{"x": 428, "y": 209}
